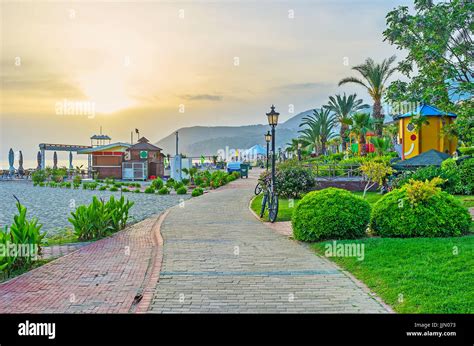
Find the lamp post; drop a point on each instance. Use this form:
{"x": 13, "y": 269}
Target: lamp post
{"x": 299, "y": 151}
{"x": 273, "y": 122}
{"x": 268, "y": 138}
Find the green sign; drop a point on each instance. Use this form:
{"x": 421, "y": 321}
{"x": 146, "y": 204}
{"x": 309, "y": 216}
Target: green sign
{"x": 143, "y": 154}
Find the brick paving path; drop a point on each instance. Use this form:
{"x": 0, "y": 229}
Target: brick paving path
{"x": 54, "y": 251}
{"x": 219, "y": 259}
{"x": 104, "y": 276}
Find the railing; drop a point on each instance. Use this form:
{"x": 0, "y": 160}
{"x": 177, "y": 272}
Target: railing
{"x": 335, "y": 170}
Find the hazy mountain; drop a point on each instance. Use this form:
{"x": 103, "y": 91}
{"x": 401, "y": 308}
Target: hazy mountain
{"x": 201, "y": 140}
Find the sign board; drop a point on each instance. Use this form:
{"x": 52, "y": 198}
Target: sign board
{"x": 143, "y": 154}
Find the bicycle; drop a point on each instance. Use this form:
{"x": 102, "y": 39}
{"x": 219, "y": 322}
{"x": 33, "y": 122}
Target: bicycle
{"x": 270, "y": 198}
{"x": 258, "y": 189}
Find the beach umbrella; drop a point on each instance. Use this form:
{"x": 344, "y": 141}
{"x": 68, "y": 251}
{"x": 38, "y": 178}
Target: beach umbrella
{"x": 21, "y": 171}
{"x": 38, "y": 158}
{"x": 11, "y": 160}
{"x": 55, "y": 160}
{"x": 70, "y": 161}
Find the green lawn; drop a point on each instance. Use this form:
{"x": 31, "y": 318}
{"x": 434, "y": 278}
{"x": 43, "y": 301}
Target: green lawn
{"x": 417, "y": 275}
{"x": 286, "y": 207}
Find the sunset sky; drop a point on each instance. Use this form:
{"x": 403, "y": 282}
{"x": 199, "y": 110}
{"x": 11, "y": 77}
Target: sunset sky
{"x": 162, "y": 65}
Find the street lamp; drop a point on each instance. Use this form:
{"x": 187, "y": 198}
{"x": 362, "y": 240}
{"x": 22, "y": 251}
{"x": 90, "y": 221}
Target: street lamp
{"x": 299, "y": 150}
{"x": 268, "y": 138}
{"x": 273, "y": 122}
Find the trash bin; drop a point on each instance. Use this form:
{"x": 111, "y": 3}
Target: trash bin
{"x": 244, "y": 170}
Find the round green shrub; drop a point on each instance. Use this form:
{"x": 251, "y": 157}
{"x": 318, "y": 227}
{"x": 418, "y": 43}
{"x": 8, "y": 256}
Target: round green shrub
{"x": 181, "y": 190}
{"x": 137, "y": 191}
{"x": 163, "y": 191}
{"x": 330, "y": 214}
{"x": 157, "y": 184}
{"x": 185, "y": 181}
{"x": 197, "y": 192}
{"x": 170, "y": 182}
{"x": 149, "y": 190}
{"x": 178, "y": 185}
{"x": 113, "y": 189}
{"x": 102, "y": 188}
{"x": 441, "y": 215}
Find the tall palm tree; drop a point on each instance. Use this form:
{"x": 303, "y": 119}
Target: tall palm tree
{"x": 343, "y": 107}
{"x": 361, "y": 124}
{"x": 374, "y": 78}
{"x": 381, "y": 144}
{"x": 319, "y": 128}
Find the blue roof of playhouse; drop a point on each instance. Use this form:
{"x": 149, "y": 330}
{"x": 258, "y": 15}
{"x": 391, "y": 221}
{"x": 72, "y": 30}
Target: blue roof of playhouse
{"x": 427, "y": 111}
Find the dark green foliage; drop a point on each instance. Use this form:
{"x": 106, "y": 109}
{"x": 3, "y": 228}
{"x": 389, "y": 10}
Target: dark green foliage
{"x": 330, "y": 214}
{"x": 291, "y": 182}
{"x": 181, "y": 190}
{"x": 197, "y": 192}
{"x": 113, "y": 189}
{"x": 170, "y": 183}
{"x": 38, "y": 176}
{"x": 163, "y": 191}
{"x": 441, "y": 215}
{"x": 177, "y": 185}
{"x": 150, "y": 190}
{"x": 185, "y": 181}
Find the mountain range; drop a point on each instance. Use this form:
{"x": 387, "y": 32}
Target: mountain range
{"x": 207, "y": 140}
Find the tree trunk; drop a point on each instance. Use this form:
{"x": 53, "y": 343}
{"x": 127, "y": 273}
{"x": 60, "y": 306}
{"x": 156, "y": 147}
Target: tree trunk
{"x": 342, "y": 133}
{"x": 363, "y": 148}
{"x": 323, "y": 147}
{"x": 378, "y": 117}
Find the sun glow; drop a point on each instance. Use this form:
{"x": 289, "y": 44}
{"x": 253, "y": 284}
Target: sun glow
{"x": 108, "y": 91}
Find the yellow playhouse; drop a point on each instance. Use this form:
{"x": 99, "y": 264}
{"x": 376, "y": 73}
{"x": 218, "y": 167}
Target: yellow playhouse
{"x": 429, "y": 136}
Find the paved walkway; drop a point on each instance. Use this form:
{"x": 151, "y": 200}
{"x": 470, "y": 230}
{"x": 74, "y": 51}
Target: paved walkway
{"x": 219, "y": 259}
{"x": 107, "y": 276}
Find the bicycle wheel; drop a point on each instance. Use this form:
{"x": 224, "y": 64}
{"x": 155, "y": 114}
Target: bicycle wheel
{"x": 264, "y": 204}
{"x": 258, "y": 189}
{"x": 273, "y": 208}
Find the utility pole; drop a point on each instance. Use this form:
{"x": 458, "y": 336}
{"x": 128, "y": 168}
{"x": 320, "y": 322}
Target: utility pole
{"x": 177, "y": 140}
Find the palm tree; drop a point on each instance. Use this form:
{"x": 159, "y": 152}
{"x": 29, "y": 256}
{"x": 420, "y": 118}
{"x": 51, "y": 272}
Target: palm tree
{"x": 381, "y": 144}
{"x": 344, "y": 107}
{"x": 319, "y": 129}
{"x": 361, "y": 124}
{"x": 374, "y": 78}
{"x": 391, "y": 131}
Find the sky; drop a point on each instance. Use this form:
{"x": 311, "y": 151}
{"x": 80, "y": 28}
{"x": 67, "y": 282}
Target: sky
{"x": 68, "y": 68}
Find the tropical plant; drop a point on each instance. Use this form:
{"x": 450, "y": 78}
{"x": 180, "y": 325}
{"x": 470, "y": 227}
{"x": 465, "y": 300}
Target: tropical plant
{"x": 149, "y": 190}
{"x": 191, "y": 172}
{"x": 374, "y": 78}
{"x": 343, "y": 108}
{"x": 381, "y": 145}
{"x": 361, "y": 124}
{"x": 319, "y": 128}
{"x": 38, "y": 176}
{"x": 100, "y": 219}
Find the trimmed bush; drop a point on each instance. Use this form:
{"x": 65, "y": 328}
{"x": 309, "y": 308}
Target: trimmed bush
{"x": 38, "y": 176}
{"x": 330, "y": 214}
{"x": 103, "y": 188}
{"x": 137, "y": 191}
{"x": 185, "y": 181}
{"x": 113, "y": 189}
{"x": 181, "y": 190}
{"x": 403, "y": 213}
{"x": 466, "y": 171}
{"x": 163, "y": 191}
{"x": 149, "y": 190}
{"x": 197, "y": 192}
{"x": 170, "y": 183}
{"x": 178, "y": 185}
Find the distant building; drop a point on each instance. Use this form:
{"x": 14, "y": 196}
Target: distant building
{"x": 106, "y": 160}
{"x": 125, "y": 161}
{"x": 146, "y": 154}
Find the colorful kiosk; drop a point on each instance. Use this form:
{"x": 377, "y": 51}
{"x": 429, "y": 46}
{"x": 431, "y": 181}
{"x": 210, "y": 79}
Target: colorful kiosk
{"x": 429, "y": 136}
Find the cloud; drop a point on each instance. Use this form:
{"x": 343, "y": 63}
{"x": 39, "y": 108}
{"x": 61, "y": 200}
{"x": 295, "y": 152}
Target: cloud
{"x": 198, "y": 97}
